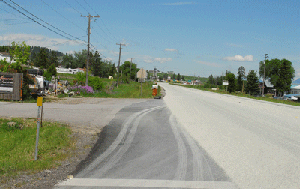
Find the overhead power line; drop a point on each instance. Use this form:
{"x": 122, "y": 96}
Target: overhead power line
{"x": 62, "y": 15}
{"x": 30, "y": 18}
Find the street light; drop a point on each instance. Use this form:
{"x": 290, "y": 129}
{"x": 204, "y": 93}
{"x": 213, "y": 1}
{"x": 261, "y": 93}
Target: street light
{"x": 263, "y": 90}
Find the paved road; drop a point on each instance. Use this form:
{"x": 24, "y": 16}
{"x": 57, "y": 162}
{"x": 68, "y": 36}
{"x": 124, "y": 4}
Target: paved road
{"x": 144, "y": 147}
{"x": 256, "y": 143}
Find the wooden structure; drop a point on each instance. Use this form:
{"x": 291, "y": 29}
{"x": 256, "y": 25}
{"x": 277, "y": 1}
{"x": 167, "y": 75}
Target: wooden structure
{"x": 11, "y": 86}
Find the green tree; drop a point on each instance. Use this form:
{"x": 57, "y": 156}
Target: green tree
{"x": 231, "y": 79}
{"x": 211, "y": 80}
{"x": 41, "y": 59}
{"x": 126, "y": 69}
{"x": 182, "y": 77}
{"x": 96, "y": 65}
{"x": 279, "y": 72}
{"x": 112, "y": 69}
{"x": 165, "y": 76}
{"x": 53, "y": 59}
{"x": 80, "y": 58}
{"x": 178, "y": 76}
{"x": 252, "y": 83}
{"x": 51, "y": 71}
{"x": 68, "y": 61}
{"x": 173, "y": 76}
{"x": 20, "y": 54}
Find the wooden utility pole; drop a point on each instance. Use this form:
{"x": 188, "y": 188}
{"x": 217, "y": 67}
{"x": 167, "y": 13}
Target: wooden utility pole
{"x": 88, "y": 53}
{"x": 263, "y": 90}
{"x": 119, "y": 63}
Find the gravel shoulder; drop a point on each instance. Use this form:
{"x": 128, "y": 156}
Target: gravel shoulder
{"x": 85, "y": 116}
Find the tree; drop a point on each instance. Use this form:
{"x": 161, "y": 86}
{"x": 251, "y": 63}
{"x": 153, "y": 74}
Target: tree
{"x": 165, "y": 76}
{"x": 173, "y": 76}
{"x": 178, "y": 77}
{"x": 211, "y": 80}
{"x": 68, "y": 61}
{"x": 126, "y": 69}
{"x": 279, "y": 72}
{"x": 96, "y": 65}
{"x": 231, "y": 79}
{"x": 112, "y": 69}
{"x": 41, "y": 59}
{"x": 241, "y": 77}
{"x": 182, "y": 77}
{"x": 53, "y": 59}
{"x": 51, "y": 71}
{"x": 20, "y": 53}
{"x": 252, "y": 83}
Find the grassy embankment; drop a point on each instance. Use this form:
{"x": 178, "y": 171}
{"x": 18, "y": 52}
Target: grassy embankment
{"x": 125, "y": 90}
{"x": 268, "y": 98}
{"x": 18, "y": 146}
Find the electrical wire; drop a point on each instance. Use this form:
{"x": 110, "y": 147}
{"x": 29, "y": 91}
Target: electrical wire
{"x": 39, "y": 22}
{"x": 62, "y": 15}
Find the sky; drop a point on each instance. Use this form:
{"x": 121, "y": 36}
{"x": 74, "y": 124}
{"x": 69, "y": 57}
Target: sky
{"x": 188, "y": 37}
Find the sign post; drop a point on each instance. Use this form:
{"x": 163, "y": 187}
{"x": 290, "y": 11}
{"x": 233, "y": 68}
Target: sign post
{"x": 141, "y": 74}
{"x": 39, "y": 104}
{"x": 226, "y": 83}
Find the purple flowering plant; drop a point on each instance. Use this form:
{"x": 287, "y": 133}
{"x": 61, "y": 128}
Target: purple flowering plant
{"x": 82, "y": 89}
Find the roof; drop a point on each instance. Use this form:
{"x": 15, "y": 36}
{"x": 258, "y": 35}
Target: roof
{"x": 267, "y": 83}
{"x": 5, "y": 54}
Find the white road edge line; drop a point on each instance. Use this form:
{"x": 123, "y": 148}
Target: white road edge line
{"x": 142, "y": 183}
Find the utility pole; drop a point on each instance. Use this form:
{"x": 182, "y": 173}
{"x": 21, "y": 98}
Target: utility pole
{"x": 88, "y": 53}
{"x": 263, "y": 89}
{"x": 119, "y": 63}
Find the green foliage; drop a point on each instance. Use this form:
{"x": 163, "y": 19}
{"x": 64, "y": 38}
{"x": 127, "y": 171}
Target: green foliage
{"x": 51, "y": 71}
{"x": 17, "y": 145}
{"x": 252, "y": 83}
{"x": 178, "y": 77}
{"x": 20, "y": 53}
{"x": 96, "y": 83}
{"x": 231, "y": 79}
{"x": 125, "y": 68}
{"x": 173, "y": 76}
{"x": 279, "y": 72}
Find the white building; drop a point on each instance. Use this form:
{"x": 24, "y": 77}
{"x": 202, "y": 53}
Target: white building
{"x": 68, "y": 70}
{"x": 5, "y": 55}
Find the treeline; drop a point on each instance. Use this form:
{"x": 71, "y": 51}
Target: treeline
{"x": 279, "y": 72}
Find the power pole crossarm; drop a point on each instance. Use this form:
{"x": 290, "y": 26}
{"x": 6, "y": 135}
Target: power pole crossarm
{"x": 88, "y": 53}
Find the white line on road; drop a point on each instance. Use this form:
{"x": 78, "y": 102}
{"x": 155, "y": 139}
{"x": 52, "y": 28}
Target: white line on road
{"x": 143, "y": 183}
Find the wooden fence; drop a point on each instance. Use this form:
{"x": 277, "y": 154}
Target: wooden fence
{"x": 11, "y": 86}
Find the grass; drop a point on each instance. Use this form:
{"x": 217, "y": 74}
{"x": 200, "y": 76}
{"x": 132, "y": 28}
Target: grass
{"x": 268, "y": 98}
{"x": 18, "y": 145}
{"x": 125, "y": 90}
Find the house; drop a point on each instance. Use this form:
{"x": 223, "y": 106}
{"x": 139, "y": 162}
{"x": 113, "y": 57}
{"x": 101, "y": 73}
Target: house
{"x": 5, "y": 55}
{"x": 295, "y": 89}
{"x": 269, "y": 88}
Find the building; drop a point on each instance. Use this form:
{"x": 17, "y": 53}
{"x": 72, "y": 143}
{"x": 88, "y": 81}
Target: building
{"x": 295, "y": 89}
{"x": 69, "y": 70}
{"x": 5, "y": 55}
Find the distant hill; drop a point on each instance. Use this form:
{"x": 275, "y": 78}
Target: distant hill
{"x": 297, "y": 81}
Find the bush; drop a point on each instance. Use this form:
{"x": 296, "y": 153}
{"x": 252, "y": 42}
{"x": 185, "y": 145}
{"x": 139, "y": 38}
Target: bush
{"x": 96, "y": 83}
{"x": 81, "y": 89}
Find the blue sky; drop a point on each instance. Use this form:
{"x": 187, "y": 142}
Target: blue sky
{"x": 190, "y": 37}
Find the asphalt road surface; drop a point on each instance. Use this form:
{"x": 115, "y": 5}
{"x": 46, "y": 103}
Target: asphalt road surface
{"x": 145, "y": 147}
{"x": 256, "y": 143}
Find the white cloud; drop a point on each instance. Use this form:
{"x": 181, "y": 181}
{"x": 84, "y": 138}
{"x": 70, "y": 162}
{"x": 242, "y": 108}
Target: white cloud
{"x": 240, "y": 58}
{"x": 234, "y": 45}
{"x": 162, "y": 60}
{"x": 107, "y": 59}
{"x": 208, "y": 63}
{"x": 38, "y": 40}
{"x": 180, "y": 3}
{"x": 171, "y": 50}
{"x": 149, "y": 59}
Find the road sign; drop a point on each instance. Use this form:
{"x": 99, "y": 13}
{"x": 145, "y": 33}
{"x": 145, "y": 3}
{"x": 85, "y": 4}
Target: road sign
{"x": 141, "y": 74}
{"x": 40, "y": 101}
